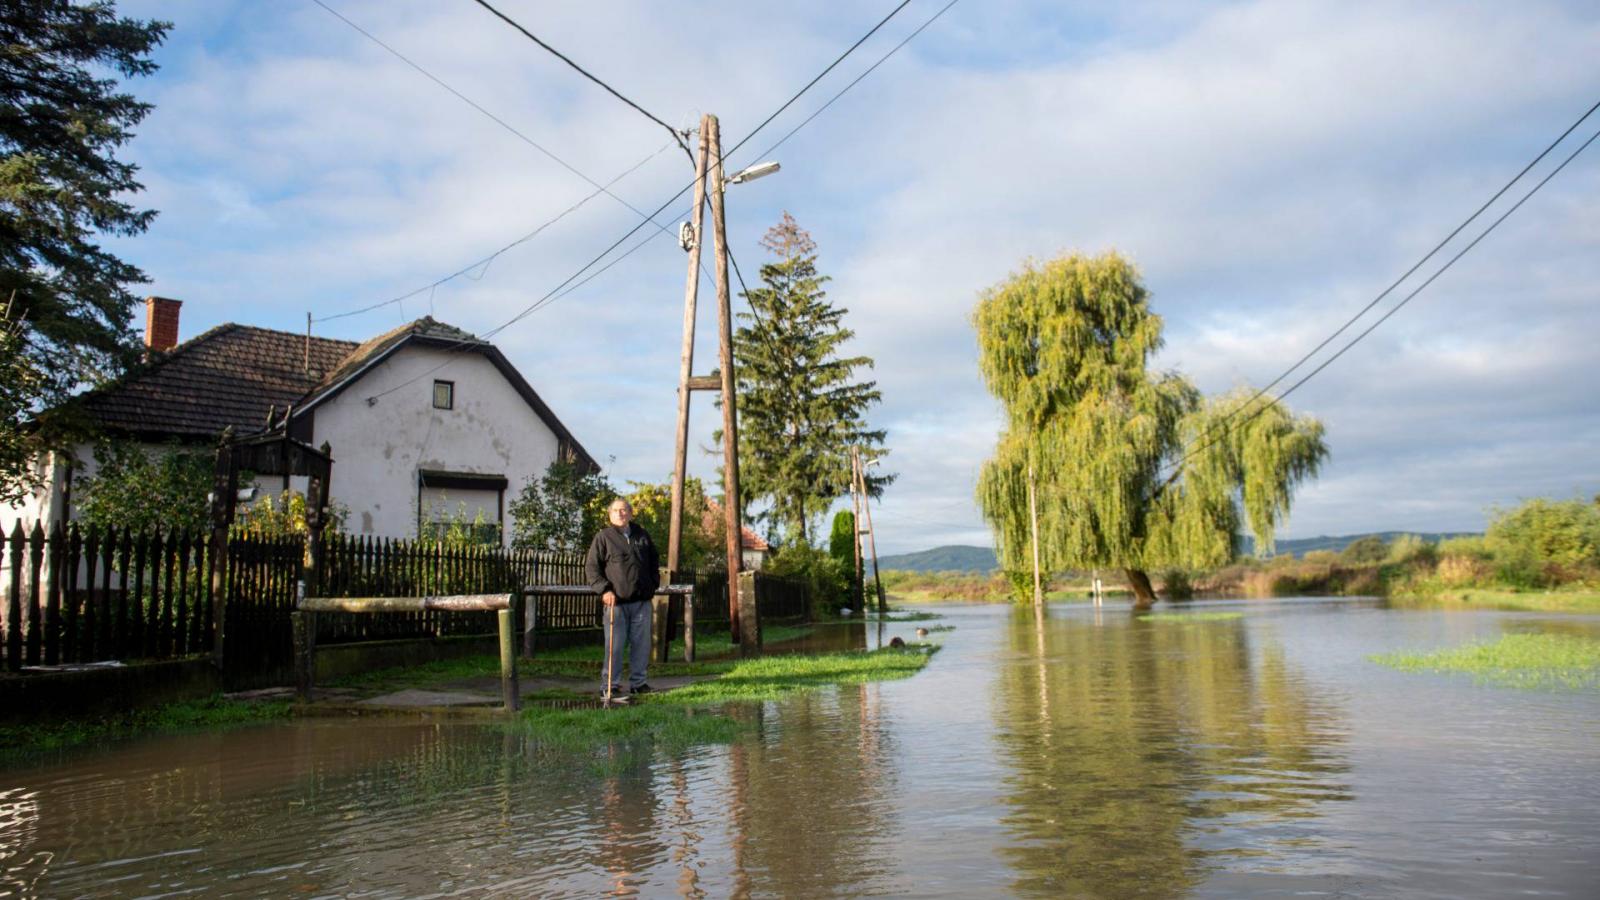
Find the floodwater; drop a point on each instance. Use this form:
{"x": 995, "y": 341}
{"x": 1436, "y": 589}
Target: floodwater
{"x": 1100, "y": 757}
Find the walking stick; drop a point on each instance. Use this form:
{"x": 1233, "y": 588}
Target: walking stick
{"x": 611, "y": 623}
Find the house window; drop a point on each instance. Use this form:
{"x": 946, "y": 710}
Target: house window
{"x": 444, "y": 395}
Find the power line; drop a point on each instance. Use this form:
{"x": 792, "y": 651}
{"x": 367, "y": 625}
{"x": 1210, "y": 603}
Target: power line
{"x": 560, "y": 289}
{"x": 474, "y": 104}
{"x": 484, "y": 262}
{"x": 587, "y": 74}
{"x": 1398, "y": 306}
{"x": 1398, "y": 281}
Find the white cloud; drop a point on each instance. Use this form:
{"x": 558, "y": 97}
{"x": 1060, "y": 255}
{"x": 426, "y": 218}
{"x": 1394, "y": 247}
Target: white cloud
{"x": 1271, "y": 166}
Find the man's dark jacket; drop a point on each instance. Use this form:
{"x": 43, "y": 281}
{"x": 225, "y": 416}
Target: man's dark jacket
{"x": 625, "y": 563}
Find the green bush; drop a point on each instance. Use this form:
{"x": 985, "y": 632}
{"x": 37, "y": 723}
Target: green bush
{"x": 1411, "y": 549}
{"x": 1321, "y": 557}
{"x": 1541, "y": 531}
{"x": 134, "y": 489}
{"x": 1370, "y": 549}
{"x": 1475, "y": 547}
{"x": 829, "y": 581}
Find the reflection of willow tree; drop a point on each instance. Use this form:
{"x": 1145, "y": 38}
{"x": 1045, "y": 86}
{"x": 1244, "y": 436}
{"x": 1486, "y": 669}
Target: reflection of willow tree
{"x": 1127, "y": 743}
{"x": 811, "y": 808}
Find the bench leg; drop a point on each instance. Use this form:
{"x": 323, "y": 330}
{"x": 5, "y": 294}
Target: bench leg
{"x": 510, "y": 691}
{"x": 304, "y": 625}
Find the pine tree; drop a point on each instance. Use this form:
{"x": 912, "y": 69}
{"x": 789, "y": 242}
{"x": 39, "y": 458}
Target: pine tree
{"x": 1065, "y": 347}
{"x": 61, "y": 185}
{"x": 800, "y": 407}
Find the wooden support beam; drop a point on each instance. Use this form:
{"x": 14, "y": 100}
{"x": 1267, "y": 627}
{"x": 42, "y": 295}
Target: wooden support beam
{"x": 704, "y": 383}
{"x": 461, "y": 603}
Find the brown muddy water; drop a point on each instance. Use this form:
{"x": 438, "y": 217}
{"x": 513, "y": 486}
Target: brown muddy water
{"x": 1102, "y": 757}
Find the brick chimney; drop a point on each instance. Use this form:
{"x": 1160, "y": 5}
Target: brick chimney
{"x": 161, "y": 323}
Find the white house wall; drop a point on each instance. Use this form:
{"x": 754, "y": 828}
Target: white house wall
{"x": 378, "y": 448}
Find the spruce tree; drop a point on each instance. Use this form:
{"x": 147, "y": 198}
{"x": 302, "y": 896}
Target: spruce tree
{"x": 801, "y": 407}
{"x": 62, "y": 186}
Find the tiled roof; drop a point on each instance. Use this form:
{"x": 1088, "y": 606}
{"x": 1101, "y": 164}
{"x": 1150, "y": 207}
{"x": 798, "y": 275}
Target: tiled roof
{"x": 230, "y": 375}
{"x": 425, "y": 327}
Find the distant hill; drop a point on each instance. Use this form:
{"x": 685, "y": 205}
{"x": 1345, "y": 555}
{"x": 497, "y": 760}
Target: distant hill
{"x": 949, "y": 558}
{"x": 1302, "y": 546}
{"x": 963, "y": 558}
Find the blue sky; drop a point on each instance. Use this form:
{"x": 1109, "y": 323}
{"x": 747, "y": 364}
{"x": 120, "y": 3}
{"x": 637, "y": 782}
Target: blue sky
{"x": 1271, "y": 166}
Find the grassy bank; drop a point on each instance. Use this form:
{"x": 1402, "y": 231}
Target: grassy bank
{"x": 1515, "y": 660}
{"x": 1578, "y": 601}
{"x": 21, "y": 744}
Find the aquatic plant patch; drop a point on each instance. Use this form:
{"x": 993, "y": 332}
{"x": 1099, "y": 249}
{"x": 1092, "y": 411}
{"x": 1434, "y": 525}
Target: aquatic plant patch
{"x": 771, "y": 677}
{"x": 1184, "y": 618}
{"x": 1560, "y": 661}
{"x": 718, "y": 710}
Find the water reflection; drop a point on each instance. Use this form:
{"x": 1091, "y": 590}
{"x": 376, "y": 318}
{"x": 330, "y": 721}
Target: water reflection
{"x": 1143, "y": 753}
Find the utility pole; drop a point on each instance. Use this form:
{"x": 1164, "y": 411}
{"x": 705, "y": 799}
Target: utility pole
{"x": 748, "y": 637}
{"x": 742, "y": 618}
{"x": 691, "y": 292}
{"x": 1033, "y": 517}
{"x": 872, "y": 538}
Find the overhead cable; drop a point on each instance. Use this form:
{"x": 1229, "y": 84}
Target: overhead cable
{"x": 1396, "y": 308}
{"x": 676, "y": 135}
{"x": 1407, "y": 274}
{"x": 559, "y": 290}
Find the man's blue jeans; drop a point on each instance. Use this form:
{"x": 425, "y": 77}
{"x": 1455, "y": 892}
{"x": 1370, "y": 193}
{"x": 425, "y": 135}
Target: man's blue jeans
{"x": 630, "y": 623}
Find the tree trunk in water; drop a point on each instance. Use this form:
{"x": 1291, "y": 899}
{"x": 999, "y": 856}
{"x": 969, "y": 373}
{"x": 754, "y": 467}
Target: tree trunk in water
{"x": 1144, "y": 594}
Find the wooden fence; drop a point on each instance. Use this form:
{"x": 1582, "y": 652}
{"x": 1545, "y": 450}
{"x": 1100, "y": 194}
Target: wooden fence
{"x": 85, "y": 595}
{"x": 79, "y": 595}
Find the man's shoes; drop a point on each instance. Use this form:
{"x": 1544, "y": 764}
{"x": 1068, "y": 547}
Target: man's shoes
{"x": 641, "y": 689}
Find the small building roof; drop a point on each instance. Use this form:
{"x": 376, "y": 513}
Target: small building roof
{"x": 233, "y": 375}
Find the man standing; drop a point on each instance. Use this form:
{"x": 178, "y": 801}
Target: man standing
{"x": 623, "y": 568}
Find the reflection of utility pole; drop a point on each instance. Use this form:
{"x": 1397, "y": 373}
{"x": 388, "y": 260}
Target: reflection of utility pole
{"x": 858, "y": 588}
{"x": 872, "y": 539}
{"x": 1033, "y": 518}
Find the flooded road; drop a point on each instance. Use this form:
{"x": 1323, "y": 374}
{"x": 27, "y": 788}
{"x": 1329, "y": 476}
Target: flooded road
{"x": 1100, "y": 757}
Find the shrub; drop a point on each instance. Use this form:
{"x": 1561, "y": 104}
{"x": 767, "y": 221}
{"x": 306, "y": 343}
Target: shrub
{"x": 1176, "y": 585}
{"x": 1411, "y": 549}
{"x": 1461, "y": 570}
{"x": 1564, "y": 532}
{"x": 136, "y": 489}
{"x": 1370, "y": 549}
{"x": 827, "y": 579}
{"x": 1475, "y": 547}
{"x": 1321, "y": 557}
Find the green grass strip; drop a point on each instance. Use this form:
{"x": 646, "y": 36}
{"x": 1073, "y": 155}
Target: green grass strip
{"x": 1547, "y": 661}
{"x": 1186, "y": 617}
{"x": 22, "y": 744}
{"x": 719, "y": 710}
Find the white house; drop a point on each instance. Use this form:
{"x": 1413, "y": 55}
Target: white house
{"x": 423, "y": 421}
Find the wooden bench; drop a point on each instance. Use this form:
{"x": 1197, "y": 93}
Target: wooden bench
{"x": 508, "y": 607}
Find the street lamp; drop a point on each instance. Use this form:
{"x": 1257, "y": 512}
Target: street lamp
{"x": 751, "y": 173}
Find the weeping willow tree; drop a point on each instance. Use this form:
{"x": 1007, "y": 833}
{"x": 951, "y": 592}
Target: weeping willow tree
{"x": 1133, "y": 469}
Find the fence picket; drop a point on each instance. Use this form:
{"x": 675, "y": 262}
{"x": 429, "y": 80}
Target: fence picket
{"x": 52, "y": 604}
{"x": 13, "y": 623}
{"x": 122, "y": 643}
